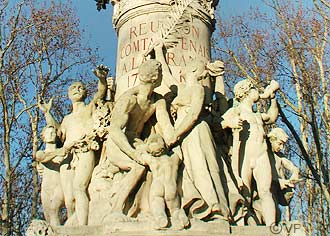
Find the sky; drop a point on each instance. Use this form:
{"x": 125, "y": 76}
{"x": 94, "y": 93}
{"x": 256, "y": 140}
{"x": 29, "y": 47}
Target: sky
{"x": 100, "y": 33}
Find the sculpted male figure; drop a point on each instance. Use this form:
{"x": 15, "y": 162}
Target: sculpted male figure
{"x": 283, "y": 187}
{"x": 73, "y": 128}
{"x": 250, "y": 157}
{"x": 130, "y": 114}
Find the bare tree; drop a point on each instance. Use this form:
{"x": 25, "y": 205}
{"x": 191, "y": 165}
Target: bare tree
{"x": 40, "y": 48}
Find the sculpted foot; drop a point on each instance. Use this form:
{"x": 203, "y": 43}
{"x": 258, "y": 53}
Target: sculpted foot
{"x": 160, "y": 222}
{"x": 118, "y": 217}
{"x": 179, "y": 220}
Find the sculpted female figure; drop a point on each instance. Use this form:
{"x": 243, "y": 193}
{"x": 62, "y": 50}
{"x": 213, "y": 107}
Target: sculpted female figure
{"x": 201, "y": 184}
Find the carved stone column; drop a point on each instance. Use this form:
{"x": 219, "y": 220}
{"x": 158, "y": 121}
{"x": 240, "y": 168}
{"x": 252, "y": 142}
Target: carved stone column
{"x": 140, "y": 23}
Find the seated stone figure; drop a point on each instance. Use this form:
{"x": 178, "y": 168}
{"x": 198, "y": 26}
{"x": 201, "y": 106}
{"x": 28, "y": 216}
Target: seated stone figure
{"x": 52, "y": 197}
{"x": 163, "y": 189}
{"x": 250, "y": 158}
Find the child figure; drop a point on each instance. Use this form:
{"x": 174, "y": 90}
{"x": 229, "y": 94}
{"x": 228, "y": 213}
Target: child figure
{"x": 250, "y": 159}
{"x": 52, "y": 197}
{"x": 163, "y": 190}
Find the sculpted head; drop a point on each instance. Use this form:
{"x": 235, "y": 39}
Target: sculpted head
{"x": 277, "y": 138}
{"x": 245, "y": 88}
{"x": 150, "y": 72}
{"x": 48, "y": 134}
{"x": 196, "y": 68}
{"x": 156, "y": 145}
{"x": 77, "y": 92}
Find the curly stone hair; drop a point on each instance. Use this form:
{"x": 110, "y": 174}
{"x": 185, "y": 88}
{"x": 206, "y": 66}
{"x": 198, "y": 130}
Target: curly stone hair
{"x": 149, "y": 69}
{"x": 242, "y": 88}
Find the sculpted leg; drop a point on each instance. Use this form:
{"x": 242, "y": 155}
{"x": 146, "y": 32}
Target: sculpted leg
{"x": 55, "y": 206}
{"x": 128, "y": 183}
{"x": 83, "y": 174}
{"x": 67, "y": 176}
{"x": 263, "y": 177}
{"x": 132, "y": 177}
{"x": 179, "y": 217}
{"x": 157, "y": 206}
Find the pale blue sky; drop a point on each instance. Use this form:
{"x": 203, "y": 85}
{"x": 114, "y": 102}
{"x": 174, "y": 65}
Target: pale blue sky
{"x": 99, "y": 29}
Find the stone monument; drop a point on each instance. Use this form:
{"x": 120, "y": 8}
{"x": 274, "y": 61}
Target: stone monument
{"x": 160, "y": 152}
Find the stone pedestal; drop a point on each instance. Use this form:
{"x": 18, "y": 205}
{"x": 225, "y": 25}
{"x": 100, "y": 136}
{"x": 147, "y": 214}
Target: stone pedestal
{"x": 213, "y": 229}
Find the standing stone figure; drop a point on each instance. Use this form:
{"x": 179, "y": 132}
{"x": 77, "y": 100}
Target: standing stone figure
{"x": 52, "y": 197}
{"x": 75, "y": 127}
{"x": 282, "y": 186}
{"x": 250, "y": 157}
{"x": 201, "y": 176}
{"x": 163, "y": 189}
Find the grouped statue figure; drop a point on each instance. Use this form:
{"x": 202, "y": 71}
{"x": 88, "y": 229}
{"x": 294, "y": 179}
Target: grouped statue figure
{"x": 151, "y": 159}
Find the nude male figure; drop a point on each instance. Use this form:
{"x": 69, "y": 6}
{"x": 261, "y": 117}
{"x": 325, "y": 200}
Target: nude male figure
{"x": 283, "y": 187}
{"x": 130, "y": 114}
{"x": 250, "y": 157}
{"x": 73, "y": 128}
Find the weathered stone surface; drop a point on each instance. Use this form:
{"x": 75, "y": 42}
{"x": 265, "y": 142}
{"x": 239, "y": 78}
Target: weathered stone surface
{"x": 149, "y": 160}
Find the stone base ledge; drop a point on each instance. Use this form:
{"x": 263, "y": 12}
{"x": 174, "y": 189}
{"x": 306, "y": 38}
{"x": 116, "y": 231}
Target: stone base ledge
{"x": 198, "y": 228}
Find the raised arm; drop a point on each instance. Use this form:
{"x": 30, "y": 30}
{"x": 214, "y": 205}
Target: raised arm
{"x": 272, "y": 113}
{"x": 101, "y": 72}
{"x": 167, "y": 75}
{"x": 45, "y": 108}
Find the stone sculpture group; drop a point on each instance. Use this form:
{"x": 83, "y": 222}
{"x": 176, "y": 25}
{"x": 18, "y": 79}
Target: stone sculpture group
{"x": 158, "y": 156}
{"x": 166, "y": 159}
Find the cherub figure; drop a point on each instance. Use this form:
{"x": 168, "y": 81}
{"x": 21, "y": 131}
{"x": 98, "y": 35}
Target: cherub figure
{"x": 163, "y": 190}
{"x": 52, "y": 197}
{"x": 250, "y": 158}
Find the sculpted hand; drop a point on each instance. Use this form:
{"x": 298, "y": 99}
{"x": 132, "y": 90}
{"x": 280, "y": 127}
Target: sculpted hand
{"x": 173, "y": 139}
{"x": 58, "y": 159}
{"x": 173, "y": 110}
{"x": 137, "y": 156}
{"x": 45, "y": 107}
{"x": 101, "y": 71}
{"x": 216, "y": 68}
{"x": 285, "y": 183}
{"x": 236, "y": 123}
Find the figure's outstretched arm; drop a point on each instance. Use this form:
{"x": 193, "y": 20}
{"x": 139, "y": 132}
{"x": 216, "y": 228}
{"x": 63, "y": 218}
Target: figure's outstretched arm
{"x": 101, "y": 72}
{"x": 44, "y": 157}
{"x": 167, "y": 75}
{"x": 295, "y": 172}
{"x": 272, "y": 113}
{"x": 163, "y": 121}
{"x": 45, "y": 108}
